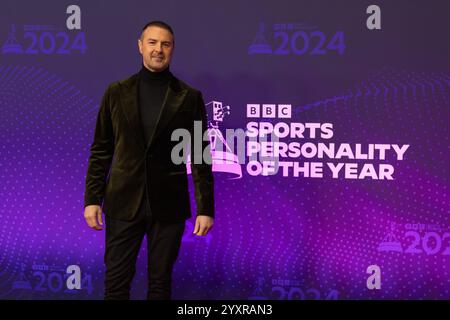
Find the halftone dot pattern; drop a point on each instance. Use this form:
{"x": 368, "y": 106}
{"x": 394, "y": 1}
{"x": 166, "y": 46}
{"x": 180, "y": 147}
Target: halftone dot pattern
{"x": 390, "y": 107}
{"x": 320, "y": 234}
{"x": 46, "y": 130}
{"x": 323, "y": 233}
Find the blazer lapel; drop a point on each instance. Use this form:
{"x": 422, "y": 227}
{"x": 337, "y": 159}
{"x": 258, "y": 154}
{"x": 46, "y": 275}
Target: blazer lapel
{"x": 173, "y": 100}
{"x": 129, "y": 103}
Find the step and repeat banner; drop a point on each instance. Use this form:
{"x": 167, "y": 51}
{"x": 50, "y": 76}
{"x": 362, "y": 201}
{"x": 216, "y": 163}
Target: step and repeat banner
{"x": 339, "y": 191}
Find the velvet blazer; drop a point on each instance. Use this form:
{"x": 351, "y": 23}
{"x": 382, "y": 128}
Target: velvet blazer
{"x": 122, "y": 167}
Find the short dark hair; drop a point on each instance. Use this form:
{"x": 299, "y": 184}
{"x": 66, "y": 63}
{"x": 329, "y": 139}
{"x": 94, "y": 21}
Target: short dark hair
{"x": 158, "y": 23}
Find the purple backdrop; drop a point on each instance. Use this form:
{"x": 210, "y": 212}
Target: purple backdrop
{"x": 275, "y": 237}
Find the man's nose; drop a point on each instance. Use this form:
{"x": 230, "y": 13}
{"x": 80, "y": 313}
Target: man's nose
{"x": 159, "y": 47}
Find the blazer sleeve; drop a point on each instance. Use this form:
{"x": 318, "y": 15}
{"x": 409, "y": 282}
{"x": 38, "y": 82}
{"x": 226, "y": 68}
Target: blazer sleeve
{"x": 202, "y": 175}
{"x": 101, "y": 154}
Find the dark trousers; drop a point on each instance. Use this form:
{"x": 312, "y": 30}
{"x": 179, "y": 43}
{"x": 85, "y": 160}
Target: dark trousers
{"x": 123, "y": 242}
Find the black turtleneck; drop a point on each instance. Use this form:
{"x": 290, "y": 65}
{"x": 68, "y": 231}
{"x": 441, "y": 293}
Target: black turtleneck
{"x": 152, "y": 90}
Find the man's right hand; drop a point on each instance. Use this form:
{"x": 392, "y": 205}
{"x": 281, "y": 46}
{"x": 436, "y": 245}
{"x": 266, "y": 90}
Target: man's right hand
{"x": 93, "y": 216}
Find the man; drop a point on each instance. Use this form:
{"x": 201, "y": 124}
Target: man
{"x": 146, "y": 193}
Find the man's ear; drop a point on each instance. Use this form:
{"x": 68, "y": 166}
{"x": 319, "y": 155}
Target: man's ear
{"x": 140, "y": 45}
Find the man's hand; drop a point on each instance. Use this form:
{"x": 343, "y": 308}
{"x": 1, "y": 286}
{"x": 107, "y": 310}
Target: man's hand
{"x": 203, "y": 224}
{"x": 93, "y": 216}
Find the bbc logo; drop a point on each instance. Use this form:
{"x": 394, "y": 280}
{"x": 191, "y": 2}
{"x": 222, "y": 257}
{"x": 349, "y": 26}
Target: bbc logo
{"x": 269, "y": 111}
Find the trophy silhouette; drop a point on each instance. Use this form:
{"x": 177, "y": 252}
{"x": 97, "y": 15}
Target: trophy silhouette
{"x": 11, "y": 44}
{"x": 260, "y": 44}
{"x": 258, "y": 293}
{"x": 223, "y": 159}
{"x": 390, "y": 242}
{"x": 22, "y": 281}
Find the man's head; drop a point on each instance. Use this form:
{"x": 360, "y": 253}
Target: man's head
{"x": 156, "y": 45}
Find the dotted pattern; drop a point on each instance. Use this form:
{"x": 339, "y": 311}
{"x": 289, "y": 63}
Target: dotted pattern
{"x": 317, "y": 235}
{"x": 46, "y": 130}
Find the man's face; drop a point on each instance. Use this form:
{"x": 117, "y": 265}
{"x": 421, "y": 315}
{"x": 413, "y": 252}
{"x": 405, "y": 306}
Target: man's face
{"x": 156, "y": 47}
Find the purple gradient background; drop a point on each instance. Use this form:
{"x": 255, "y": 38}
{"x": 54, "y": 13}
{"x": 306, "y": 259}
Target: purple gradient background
{"x": 313, "y": 238}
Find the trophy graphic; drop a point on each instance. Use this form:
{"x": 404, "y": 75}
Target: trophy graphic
{"x": 11, "y": 45}
{"x": 22, "y": 281}
{"x": 260, "y": 44}
{"x": 258, "y": 293}
{"x": 223, "y": 160}
{"x": 390, "y": 242}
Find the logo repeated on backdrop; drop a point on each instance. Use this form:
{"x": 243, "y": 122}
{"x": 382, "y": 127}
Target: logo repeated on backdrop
{"x": 48, "y": 39}
{"x": 289, "y": 289}
{"x": 43, "y": 278}
{"x": 296, "y": 39}
{"x": 417, "y": 238}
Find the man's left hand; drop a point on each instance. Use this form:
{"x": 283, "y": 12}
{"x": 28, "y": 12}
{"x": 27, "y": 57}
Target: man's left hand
{"x": 203, "y": 224}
